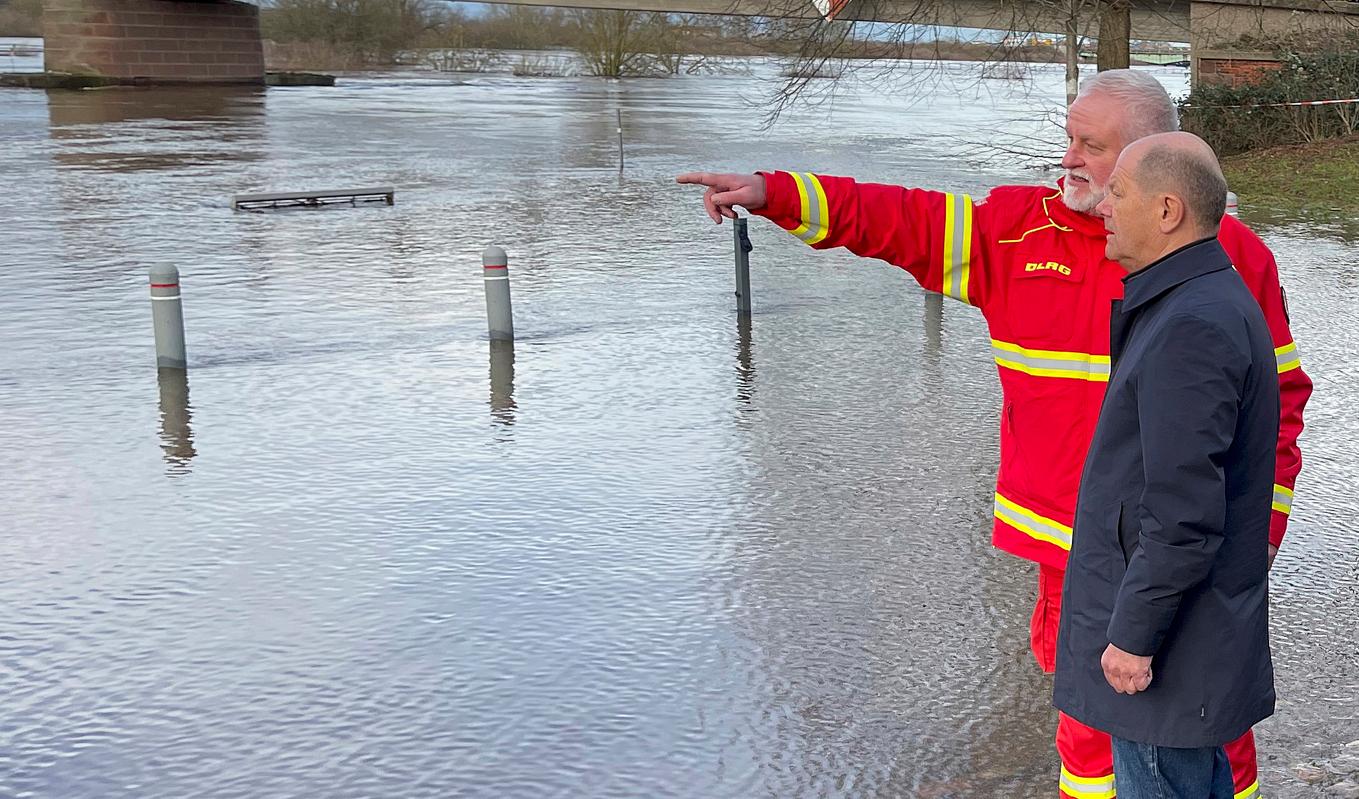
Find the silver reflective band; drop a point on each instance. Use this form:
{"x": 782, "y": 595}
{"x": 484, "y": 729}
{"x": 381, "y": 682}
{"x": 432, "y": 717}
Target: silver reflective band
{"x": 814, "y": 218}
{"x": 1031, "y": 523}
{"x": 1288, "y": 357}
{"x": 960, "y": 244}
{"x": 1049, "y": 363}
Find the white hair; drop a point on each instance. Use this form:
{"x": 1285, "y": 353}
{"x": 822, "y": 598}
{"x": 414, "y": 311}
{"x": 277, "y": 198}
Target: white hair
{"x": 1147, "y": 108}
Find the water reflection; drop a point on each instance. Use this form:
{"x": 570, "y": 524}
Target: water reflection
{"x": 176, "y": 432}
{"x": 502, "y": 383}
{"x": 652, "y": 600}
{"x": 196, "y": 126}
{"x": 745, "y": 365}
{"x": 934, "y": 327}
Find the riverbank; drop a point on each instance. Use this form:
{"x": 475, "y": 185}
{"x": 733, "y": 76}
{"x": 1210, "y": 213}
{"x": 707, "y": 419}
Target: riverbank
{"x": 1309, "y": 177}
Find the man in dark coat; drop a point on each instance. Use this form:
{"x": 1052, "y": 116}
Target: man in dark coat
{"x": 1164, "y": 636}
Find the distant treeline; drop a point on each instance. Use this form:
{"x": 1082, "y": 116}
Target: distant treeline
{"x": 358, "y": 34}
{"x": 340, "y": 34}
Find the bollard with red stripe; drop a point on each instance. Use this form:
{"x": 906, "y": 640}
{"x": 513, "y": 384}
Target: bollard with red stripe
{"x": 1232, "y": 203}
{"x": 495, "y": 267}
{"x": 167, "y": 315}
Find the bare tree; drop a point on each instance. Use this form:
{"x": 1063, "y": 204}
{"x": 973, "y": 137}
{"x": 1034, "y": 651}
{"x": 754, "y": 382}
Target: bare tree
{"x": 908, "y": 30}
{"x": 613, "y": 44}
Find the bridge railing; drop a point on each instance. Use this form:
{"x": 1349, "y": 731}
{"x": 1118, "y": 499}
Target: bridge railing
{"x": 18, "y": 54}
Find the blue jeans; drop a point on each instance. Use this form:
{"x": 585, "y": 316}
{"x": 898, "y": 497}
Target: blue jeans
{"x": 1144, "y": 771}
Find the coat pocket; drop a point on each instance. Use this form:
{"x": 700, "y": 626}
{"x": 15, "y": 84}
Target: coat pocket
{"x": 1129, "y": 531}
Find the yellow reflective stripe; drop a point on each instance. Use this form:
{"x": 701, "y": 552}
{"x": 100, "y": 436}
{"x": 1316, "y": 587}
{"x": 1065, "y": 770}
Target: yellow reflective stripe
{"x": 946, "y": 281}
{"x": 1034, "y": 525}
{"x": 1288, "y": 357}
{"x": 1283, "y": 499}
{"x": 966, "y": 248}
{"x": 1253, "y": 790}
{"x": 1051, "y": 363}
{"x": 1087, "y": 787}
{"x": 801, "y": 230}
{"x": 824, "y": 207}
{"x": 811, "y": 208}
{"x": 957, "y": 259}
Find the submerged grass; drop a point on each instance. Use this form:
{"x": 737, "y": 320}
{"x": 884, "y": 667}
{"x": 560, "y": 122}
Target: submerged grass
{"x": 1309, "y": 177}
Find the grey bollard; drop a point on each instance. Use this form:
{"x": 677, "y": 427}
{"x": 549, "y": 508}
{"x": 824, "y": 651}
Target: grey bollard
{"x": 495, "y": 267}
{"x": 743, "y": 248}
{"x": 1232, "y": 202}
{"x": 167, "y": 315}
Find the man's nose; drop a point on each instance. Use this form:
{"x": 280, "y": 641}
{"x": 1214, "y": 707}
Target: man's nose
{"x": 1070, "y": 160}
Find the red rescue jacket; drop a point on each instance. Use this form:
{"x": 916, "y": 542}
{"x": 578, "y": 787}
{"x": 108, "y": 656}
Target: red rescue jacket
{"x": 1037, "y": 271}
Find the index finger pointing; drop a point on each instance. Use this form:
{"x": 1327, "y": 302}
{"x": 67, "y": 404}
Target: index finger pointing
{"x": 701, "y": 178}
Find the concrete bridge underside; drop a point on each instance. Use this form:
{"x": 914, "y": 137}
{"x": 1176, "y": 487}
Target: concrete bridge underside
{"x": 218, "y": 41}
{"x": 157, "y": 41}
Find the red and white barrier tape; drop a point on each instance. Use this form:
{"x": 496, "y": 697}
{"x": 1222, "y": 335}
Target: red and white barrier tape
{"x": 1280, "y": 105}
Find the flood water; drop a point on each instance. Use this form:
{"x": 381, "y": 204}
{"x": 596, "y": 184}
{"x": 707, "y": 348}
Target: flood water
{"x": 652, "y": 552}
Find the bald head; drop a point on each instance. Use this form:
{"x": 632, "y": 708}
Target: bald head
{"x": 1166, "y": 192}
{"x": 1183, "y": 165}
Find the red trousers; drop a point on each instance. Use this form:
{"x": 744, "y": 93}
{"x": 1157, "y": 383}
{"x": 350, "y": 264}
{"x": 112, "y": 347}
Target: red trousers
{"x": 1087, "y": 756}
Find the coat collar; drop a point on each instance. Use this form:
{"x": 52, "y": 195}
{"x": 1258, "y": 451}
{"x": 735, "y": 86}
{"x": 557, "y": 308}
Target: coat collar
{"x": 1184, "y": 264}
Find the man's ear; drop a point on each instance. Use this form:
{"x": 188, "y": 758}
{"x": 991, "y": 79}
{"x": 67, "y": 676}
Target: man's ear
{"x": 1172, "y": 213}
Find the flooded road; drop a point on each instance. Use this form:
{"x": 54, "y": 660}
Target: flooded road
{"x": 652, "y": 552}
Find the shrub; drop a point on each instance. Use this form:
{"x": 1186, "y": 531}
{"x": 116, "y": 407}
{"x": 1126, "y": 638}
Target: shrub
{"x": 1235, "y": 119}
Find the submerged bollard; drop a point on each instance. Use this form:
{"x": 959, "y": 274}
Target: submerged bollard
{"x": 743, "y": 248}
{"x": 495, "y": 266}
{"x": 1232, "y": 202}
{"x": 167, "y": 315}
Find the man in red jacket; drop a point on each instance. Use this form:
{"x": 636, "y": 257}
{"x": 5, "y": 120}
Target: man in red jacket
{"x": 1031, "y": 259}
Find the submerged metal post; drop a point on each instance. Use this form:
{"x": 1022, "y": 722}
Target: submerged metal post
{"x": 167, "y": 316}
{"x": 743, "y": 248}
{"x": 495, "y": 265}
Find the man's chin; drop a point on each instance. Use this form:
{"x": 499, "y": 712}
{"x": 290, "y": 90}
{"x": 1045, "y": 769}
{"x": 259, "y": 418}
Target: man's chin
{"x": 1081, "y": 199}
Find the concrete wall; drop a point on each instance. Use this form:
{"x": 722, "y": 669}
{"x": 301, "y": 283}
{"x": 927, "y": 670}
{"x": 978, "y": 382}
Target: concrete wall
{"x": 161, "y": 41}
{"x": 1228, "y": 39}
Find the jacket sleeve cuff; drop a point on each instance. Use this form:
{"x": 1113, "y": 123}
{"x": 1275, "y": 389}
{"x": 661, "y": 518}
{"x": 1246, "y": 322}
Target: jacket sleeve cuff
{"x": 781, "y": 203}
{"x": 1278, "y": 525}
{"x": 1133, "y": 638}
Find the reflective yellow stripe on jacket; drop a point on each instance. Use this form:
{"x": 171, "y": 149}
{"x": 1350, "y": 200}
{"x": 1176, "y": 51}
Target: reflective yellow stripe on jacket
{"x": 957, "y": 266}
{"x": 1032, "y": 524}
{"x": 1086, "y": 787}
{"x": 1051, "y": 363}
{"x": 1283, "y": 499}
{"x": 1288, "y": 357}
{"x": 812, "y": 209}
{"x": 1103, "y": 787}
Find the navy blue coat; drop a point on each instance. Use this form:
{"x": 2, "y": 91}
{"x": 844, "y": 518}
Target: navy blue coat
{"x": 1169, "y": 554}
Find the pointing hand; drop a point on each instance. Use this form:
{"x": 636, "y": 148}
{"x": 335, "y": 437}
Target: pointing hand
{"x": 726, "y": 190}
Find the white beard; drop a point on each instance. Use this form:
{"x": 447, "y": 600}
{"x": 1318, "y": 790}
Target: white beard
{"x": 1081, "y": 199}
